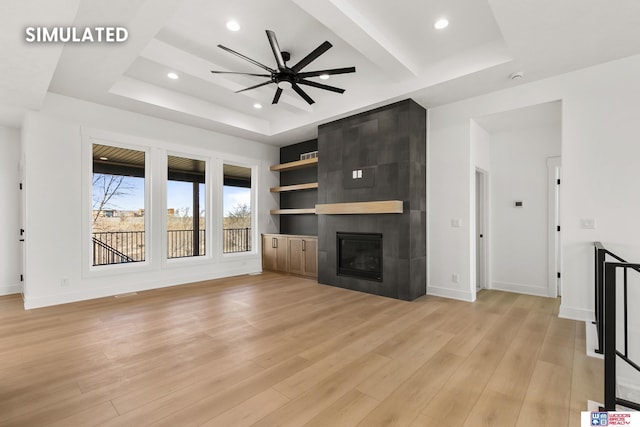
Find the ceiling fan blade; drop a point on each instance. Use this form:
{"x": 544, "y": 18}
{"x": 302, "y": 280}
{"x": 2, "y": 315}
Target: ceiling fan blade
{"x": 303, "y": 94}
{"x": 255, "y": 86}
{"x": 276, "y": 98}
{"x": 328, "y": 72}
{"x": 247, "y": 59}
{"x": 243, "y": 74}
{"x": 321, "y": 86}
{"x": 312, "y": 56}
{"x": 273, "y": 41}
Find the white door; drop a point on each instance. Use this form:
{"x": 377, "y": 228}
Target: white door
{"x": 554, "y": 227}
{"x": 21, "y": 232}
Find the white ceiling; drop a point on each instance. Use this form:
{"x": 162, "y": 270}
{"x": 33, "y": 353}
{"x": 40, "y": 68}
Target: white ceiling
{"x": 393, "y": 45}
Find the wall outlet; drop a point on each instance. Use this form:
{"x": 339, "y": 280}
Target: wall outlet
{"x": 455, "y": 223}
{"x": 455, "y": 278}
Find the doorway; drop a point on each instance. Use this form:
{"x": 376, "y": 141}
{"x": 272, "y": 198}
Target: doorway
{"x": 523, "y": 211}
{"x": 481, "y": 228}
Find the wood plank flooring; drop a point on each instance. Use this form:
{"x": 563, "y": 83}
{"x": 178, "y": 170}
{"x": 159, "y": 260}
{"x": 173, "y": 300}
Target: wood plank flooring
{"x": 276, "y": 350}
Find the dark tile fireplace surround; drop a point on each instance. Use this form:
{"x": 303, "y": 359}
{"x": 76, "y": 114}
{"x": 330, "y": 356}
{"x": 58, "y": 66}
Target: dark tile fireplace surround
{"x": 388, "y": 145}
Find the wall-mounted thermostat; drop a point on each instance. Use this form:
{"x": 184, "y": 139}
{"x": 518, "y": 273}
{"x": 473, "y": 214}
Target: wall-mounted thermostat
{"x": 518, "y": 203}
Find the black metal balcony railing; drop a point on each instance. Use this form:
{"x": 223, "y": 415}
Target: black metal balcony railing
{"x": 236, "y": 240}
{"x": 180, "y": 243}
{"x": 115, "y": 247}
{"x": 607, "y": 321}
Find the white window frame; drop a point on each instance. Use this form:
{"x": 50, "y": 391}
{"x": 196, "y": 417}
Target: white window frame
{"x": 209, "y": 256}
{"x": 254, "y": 206}
{"x": 89, "y": 138}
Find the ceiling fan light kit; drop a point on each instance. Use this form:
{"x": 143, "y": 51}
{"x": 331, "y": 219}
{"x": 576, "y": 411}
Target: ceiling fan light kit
{"x": 286, "y": 77}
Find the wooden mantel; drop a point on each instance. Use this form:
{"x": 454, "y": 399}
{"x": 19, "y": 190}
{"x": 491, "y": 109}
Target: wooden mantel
{"x": 379, "y": 207}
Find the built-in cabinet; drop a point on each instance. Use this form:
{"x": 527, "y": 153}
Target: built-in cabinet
{"x": 290, "y": 254}
{"x": 275, "y": 252}
{"x": 303, "y": 256}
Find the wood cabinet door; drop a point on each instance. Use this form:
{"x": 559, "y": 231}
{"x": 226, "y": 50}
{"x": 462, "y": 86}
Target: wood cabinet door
{"x": 296, "y": 261}
{"x": 269, "y": 255}
{"x": 274, "y": 253}
{"x": 282, "y": 262}
{"x": 310, "y": 257}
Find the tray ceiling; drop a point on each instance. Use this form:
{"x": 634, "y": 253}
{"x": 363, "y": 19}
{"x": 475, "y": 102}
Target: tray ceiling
{"x": 393, "y": 45}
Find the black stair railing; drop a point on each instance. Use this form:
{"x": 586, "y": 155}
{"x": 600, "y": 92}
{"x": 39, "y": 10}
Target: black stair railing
{"x": 104, "y": 254}
{"x": 606, "y": 281}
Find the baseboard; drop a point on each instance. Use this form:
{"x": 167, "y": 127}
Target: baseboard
{"x": 450, "y": 293}
{"x": 10, "y": 289}
{"x": 574, "y": 313}
{"x": 591, "y": 342}
{"x": 520, "y": 288}
{"x": 46, "y": 301}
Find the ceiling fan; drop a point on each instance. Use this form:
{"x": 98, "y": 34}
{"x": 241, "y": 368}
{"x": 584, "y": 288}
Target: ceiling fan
{"x": 290, "y": 77}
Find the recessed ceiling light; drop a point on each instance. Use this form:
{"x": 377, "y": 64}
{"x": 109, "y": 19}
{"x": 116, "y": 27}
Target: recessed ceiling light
{"x": 104, "y": 158}
{"x": 172, "y": 76}
{"x": 441, "y": 23}
{"x": 324, "y": 76}
{"x": 233, "y": 25}
{"x": 257, "y": 106}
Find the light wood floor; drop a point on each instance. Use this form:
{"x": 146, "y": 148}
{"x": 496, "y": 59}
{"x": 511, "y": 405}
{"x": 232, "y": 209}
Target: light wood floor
{"x": 273, "y": 350}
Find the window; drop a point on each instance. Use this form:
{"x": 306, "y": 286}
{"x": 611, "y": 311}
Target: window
{"x": 236, "y": 207}
{"x": 186, "y": 207}
{"x": 118, "y": 210}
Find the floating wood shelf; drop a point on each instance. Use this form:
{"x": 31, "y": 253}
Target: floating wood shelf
{"x": 292, "y": 211}
{"x": 294, "y": 165}
{"x": 295, "y": 187}
{"x": 380, "y": 207}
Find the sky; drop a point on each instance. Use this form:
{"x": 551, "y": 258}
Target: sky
{"x": 179, "y": 196}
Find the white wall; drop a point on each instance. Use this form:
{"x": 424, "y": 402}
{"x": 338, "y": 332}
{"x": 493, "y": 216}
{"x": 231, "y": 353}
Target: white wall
{"x": 600, "y": 169}
{"x": 448, "y": 192}
{"x": 53, "y": 148}
{"x": 9, "y": 211}
{"x": 519, "y": 236}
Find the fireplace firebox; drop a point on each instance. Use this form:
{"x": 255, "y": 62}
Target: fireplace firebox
{"x": 360, "y": 255}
